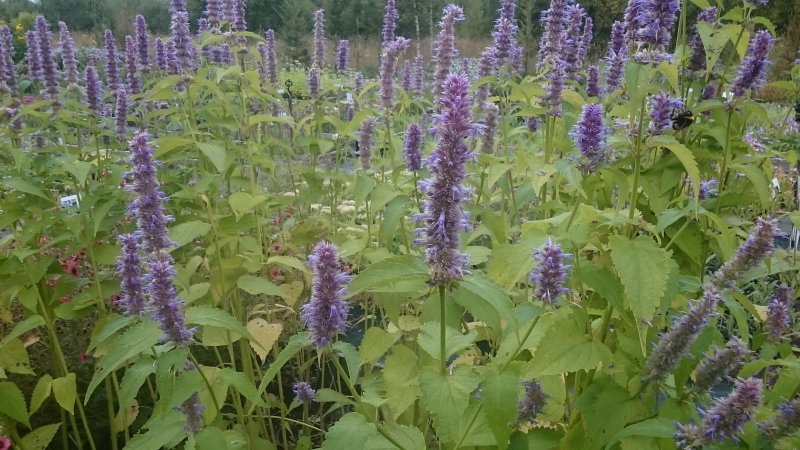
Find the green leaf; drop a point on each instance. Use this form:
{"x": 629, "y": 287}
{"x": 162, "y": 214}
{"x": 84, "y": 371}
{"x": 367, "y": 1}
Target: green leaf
{"x": 187, "y": 232}
{"x": 134, "y": 378}
{"x": 136, "y": 340}
{"x": 257, "y": 286}
{"x": 656, "y": 427}
{"x": 485, "y": 300}
{"x": 40, "y": 438}
{"x": 406, "y": 437}
{"x": 162, "y": 432}
{"x": 13, "y": 404}
{"x": 243, "y": 202}
{"x": 375, "y": 344}
{"x": 566, "y": 348}
{"x": 602, "y": 281}
{"x": 295, "y": 344}
{"x": 289, "y": 262}
{"x": 430, "y": 337}
{"x": 759, "y": 180}
{"x": 215, "y": 153}
{"x": 642, "y": 268}
{"x": 500, "y": 397}
{"x": 23, "y": 327}
{"x": 25, "y": 186}
{"x": 215, "y": 317}
{"x": 241, "y": 383}
{"x": 386, "y": 273}
{"x": 606, "y": 407}
{"x": 211, "y": 438}
{"x": 353, "y": 432}
{"x": 364, "y": 185}
{"x": 78, "y": 169}
{"x": 684, "y": 155}
{"x": 381, "y": 195}
{"x": 402, "y": 384}
{"x": 40, "y": 392}
{"x": 65, "y": 390}
{"x": 109, "y": 329}
{"x": 446, "y": 397}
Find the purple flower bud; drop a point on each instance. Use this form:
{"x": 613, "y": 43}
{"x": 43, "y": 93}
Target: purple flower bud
{"x": 550, "y": 44}
{"x": 532, "y": 403}
{"x": 239, "y": 15}
{"x": 229, "y": 12}
{"x": 121, "y": 114}
{"x": 490, "y": 118}
{"x": 161, "y": 55}
{"x": 8, "y": 78}
{"x": 758, "y": 246}
{"x": 550, "y": 273}
{"x": 617, "y": 44}
{"x": 673, "y": 344}
{"x": 130, "y": 58}
{"x": 785, "y": 421}
{"x": 405, "y": 76}
{"x": 589, "y": 135}
{"x": 723, "y": 363}
{"x": 313, "y": 80}
{"x": 709, "y": 92}
{"x": 358, "y": 83}
{"x": 112, "y": 72}
{"x": 554, "y": 88}
{"x": 616, "y": 57}
{"x": 164, "y": 300}
{"x": 320, "y": 45}
{"x": 419, "y": 75}
{"x": 586, "y": 39}
{"x": 147, "y": 207}
{"x": 729, "y": 415}
{"x": 46, "y": 56}
{"x": 504, "y": 35}
{"x": 68, "y": 54}
{"x": 661, "y": 109}
{"x": 182, "y": 40}
{"x": 412, "y": 148}
{"x": 192, "y": 408}
{"x": 142, "y": 44}
{"x": 708, "y": 189}
{"x": 366, "y": 141}
{"x": 32, "y": 57}
{"x": 593, "y": 82}
{"x": 487, "y": 65}
{"x": 533, "y": 124}
{"x": 753, "y": 69}
{"x": 445, "y": 48}
{"x": 444, "y": 215}
{"x": 303, "y": 392}
{"x": 342, "y": 56}
{"x": 213, "y": 12}
{"x": 698, "y": 59}
{"x": 94, "y": 91}
{"x": 389, "y": 22}
{"x": 271, "y": 60}
{"x": 779, "y": 313}
{"x": 129, "y": 268}
{"x": 572, "y": 40}
{"x": 391, "y": 52}
{"x": 656, "y": 19}
{"x": 631, "y": 18}
{"x": 325, "y": 314}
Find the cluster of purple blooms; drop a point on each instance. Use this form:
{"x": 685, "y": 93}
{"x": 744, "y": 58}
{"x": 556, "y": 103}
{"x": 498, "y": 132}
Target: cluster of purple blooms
{"x": 589, "y": 135}
{"x": 779, "y": 313}
{"x": 721, "y": 364}
{"x": 325, "y": 314}
{"x": 532, "y": 403}
{"x": 550, "y": 273}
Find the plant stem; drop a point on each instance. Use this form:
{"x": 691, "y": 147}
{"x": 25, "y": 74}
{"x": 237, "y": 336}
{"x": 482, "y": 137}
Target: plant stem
{"x": 443, "y": 328}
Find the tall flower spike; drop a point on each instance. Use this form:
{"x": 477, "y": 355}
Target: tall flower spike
{"x": 342, "y": 56}
{"x": 550, "y": 273}
{"x": 325, "y": 314}
{"x": 593, "y": 82}
{"x": 631, "y": 20}
{"x": 785, "y": 421}
{"x": 239, "y": 15}
{"x": 753, "y": 69}
{"x": 419, "y": 75}
{"x": 779, "y": 313}
{"x": 32, "y": 57}
{"x": 129, "y": 268}
{"x": 182, "y": 40}
{"x": 147, "y": 207}
{"x": 121, "y": 114}
{"x": 142, "y": 44}
{"x": 490, "y": 118}
{"x": 228, "y": 12}
{"x": 213, "y": 12}
{"x": 532, "y": 403}
{"x": 8, "y": 78}
{"x": 589, "y": 135}
{"x": 68, "y": 54}
{"x": 486, "y": 67}
{"x": 94, "y": 91}
{"x": 391, "y": 52}
{"x": 755, "y": 249}
{"x": 728, "y": 415}
{"x": 553, "y": 90}
{"x": 271, "y": 60}
{"x": 504, "y": 35}
{"x": 445, "y": 48}
{"x": 130, "y": 59}
{"x": 405, "y": 76}
{"x": 46, "y": 55}
{"x": 673, "y": 344}
{"x": 586, "y": 39}
{"x": 616, "y": 57}
{"x": 320, "y": 45}
{"x": 112, "y": 71}
{"x": 723, "y": 363}
{"x": 313, "y": 80}
{"x": 661, "y": 109}
{"x": 358, "y": 83}
{"x": 161, "y": 55}
{"x": 164, "y": 301}
{"x": 366, "y": 141}
{"x": 192, "y": 408}
{"x": 698, "y": 59}
{"x": 444, "y": 214}
{"x": 389, "y": 22}
{"x": 572, "y": 40}
{"x": 412, "y": 146}
{"x": 656, "y": 19}
{"x": 552, "y": 38}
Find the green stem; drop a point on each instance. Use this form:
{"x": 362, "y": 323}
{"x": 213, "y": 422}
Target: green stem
{"x": 443, "y": 328}
{"x": 723, "y": 170}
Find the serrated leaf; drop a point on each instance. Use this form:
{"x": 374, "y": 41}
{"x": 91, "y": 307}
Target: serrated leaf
{"x": 215, "y": 317}
{"x": 446, "y": 397}
{"x": 110, "y": 326}
{"x": 161, "y": 432}
{"x": 353, "y": 432}
{"x": 136, "y": 340}
{"x": 402, "y": 384}
{"x": 13, "y": 403}
{"x": 387, "y": 272}
{"x": 265, "y": 335}
{"x": 289, "y": 262}
{"x": 65, "y": 390}
{"x": 215, "y": 153}
{"x": 407, "y": 437}
{"x": 685, "y": 156}
{"x": 40, "y": 438}
{"x": 259, "y": 286}
{"x": 656, "y": 427}
{"x": 243, "y": 202}
{"x": 135, "y": 376}
{"x": 485, "y": 300}
{"x": 500, "y": 396}
{"x": 23, "y": 327}
{"x": 41, "y": 392}
{"x": 241, "y": 383}
{"x": 429, "y": 340}
{"x": 642, "y": 268}
{"x": 759, "y": 180}
{"x": 375, "y": 344}
{"x": 187, "y": 232}
{"x": 295, "y": 344}
{"x": 566, "y": 348}
{"x": 25, "y": 186}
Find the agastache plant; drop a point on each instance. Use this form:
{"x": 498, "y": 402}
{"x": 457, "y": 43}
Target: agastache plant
{"x": 129, "y": 267}
{"x": 785, "y": 421}
{"x": 753, "y": 69}
{"x": 504, "y": 34}
{"x": 112, "y": 71}
{"x": 572, "y": 41}
{"x": 213, "y": 12}
{"x": 142, "y": 44}
{"x": 388, "y": 68}
{"x": 589, "y": 135}
{"x": 551, "y": 42}
{"x": 759, "y": 244}
{"x": 366, "y": 141}
{"x": 443, "y": 209}
{"x": 550, "y": 273}
{"x": 130, "y": 59}
{"x": 271, "y": 58}
{"x": 708, "y": 189}
{"x": 779, "y": 313}
{"x": 662, "y": 106}
{"x": 320, "y": 45}
{"x": 532, "y": 403}
{"x": 698, "y": 58}
{"x": 32, "y": 58}
{"x": 412, "y": 146}
{"x": 418, "y": 83}
{"x": 721, "y": 364}
{"x": 389, "y": 22}
{"x": 303, "y": 392}
{"x": 593, "y": 82}
{"x": 313, "y": 79}
{"x": 444, "y": 50}
{"x": 94, "y": 91}
{"x": 487, "y": 64}
{"x": 325, "y": 315}
{"x": 342, "y": 56}
{"x": 8, "y": 79}
{"x": 46, "y": 57}
{"x": 490, "y": 119}
{"x": 68, "y": 54}
{"x": 616, "y": 57}
{"x": 656, "y": 19}
{"x": 161, "y": 55}
{"x": 121, "y": 114}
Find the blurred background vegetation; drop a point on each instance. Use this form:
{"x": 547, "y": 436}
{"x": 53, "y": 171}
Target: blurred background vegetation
{"x": 361, "y": 20}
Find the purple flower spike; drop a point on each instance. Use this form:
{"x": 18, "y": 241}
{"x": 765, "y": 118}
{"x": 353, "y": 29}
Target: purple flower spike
{"x": 239, "y": 15}
{"x": 722, "y": 364}
{"x": 68, "y": 54}
{"x": 164, "y": 301}
{"x": 391, "y": 52}
{"x": 729, "y": 415}
{"x": 320, "y": 45}
{"x": 490, "y": 119}
{"x": 616, "y": 57}
{"x": 487, "y": 65}
{"x": 192, "y": 408}
{"x": 147, "y": 207}
{"x": 779, "y": 313}
{"x": 631, "y": 18}
{"x": 709, "y": 92}
{"x": 228, "y": 12}
{"x": 325, "y": 314}
{"x": 129, "y": 268}
{"x": 656, "y": 19}
{"x": 412, "y": 147}
{"x": 358, "y": 83}
{"x": 533, "y": 124}
{"x": 161, "y": 55}
{"x": 389, "y": 22}
{"x": 758, "y": 246}
{"x": 445, "y": 48}
{"x": 672, "y": 345}
{"x": 405, "y": 76}
{"x": 112, "y": 71}
{"x": 271, "y": 60}
{"x": 593, "y": 82}
{"x": 419, "y": 75}
{"x": 342, "y": 56}
{"x": 444, "y": 215}
{"x": 142, "y": 44}
{"x": 8, "y": 78}
{"x": 554, "y": 88}
{"x": 94, "y": 91}
{"x": 708, "y": 189}
{"x": 303, "y": 392}
{"x": 753, "y": 69}
{"x": 213, "y": 12}
{"x": 532, "y": 403}
{"x": 572, "y": 40}
{"x": 698, "y": 59}
{"x": 182, "y": 40}
{"x": 589, "y": 135}
{"x": 121, "y": 114}
{"x": 130, "y": 58}
{"x": 313, "y": 80}
{"x": 661, "y": 109}
{"x": 32, "y": 57}
{"x": 785, "y": 421}
{"x": 504, "y": 34}
{"x": 46, "y": 56}
{"x": 550, "y": 273}
{"x": 366, "y": 141}
{"x": 551, "y": 42}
